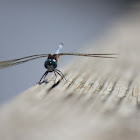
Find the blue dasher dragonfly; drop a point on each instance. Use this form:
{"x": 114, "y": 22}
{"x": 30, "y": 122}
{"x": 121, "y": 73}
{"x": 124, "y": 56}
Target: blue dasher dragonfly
{"x": 51, "y": 62}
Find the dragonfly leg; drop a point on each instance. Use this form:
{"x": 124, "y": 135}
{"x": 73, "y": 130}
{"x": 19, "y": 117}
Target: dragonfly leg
{"x": 44, "y": 75}
{"x": 61, "y": 74}
{"x": 55, "y": 76}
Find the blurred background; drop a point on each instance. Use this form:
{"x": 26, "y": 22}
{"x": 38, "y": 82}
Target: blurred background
{"x": 30, "y": 27}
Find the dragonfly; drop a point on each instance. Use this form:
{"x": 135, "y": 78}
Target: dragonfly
{"x": 52, "y": 61}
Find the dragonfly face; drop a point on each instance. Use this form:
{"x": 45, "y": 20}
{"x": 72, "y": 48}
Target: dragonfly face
{"x": 51, "y": 63}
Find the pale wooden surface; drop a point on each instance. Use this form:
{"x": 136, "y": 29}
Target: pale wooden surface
{"x": 101, "y": 101}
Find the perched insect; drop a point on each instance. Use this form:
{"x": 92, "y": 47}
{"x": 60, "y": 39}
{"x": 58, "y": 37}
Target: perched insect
{"x": 51, "y": 62}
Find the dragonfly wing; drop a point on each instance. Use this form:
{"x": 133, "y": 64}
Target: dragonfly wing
{"x": 91, "y": 55}
{"x": 9, "y": 63}
{"x": 23, "y": 58}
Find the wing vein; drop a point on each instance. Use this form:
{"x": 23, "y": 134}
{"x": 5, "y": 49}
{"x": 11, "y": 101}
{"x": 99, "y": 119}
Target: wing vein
{"x": 27, "y": 57}
{"x": 5, "y": 65}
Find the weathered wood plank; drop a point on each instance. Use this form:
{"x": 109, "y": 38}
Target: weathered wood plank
{"x": 100, "y": 101}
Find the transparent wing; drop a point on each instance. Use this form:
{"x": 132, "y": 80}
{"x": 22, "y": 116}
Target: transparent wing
{"x": 92, "y": 55}
{"x": 9, "y": 63}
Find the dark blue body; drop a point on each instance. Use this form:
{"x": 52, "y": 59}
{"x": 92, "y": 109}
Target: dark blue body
{"x": 50, "y": 64}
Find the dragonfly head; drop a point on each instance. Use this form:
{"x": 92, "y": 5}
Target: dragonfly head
{"x": 51, "y": 63}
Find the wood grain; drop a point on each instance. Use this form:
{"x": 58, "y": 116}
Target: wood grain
{"x": 101, "y": 99}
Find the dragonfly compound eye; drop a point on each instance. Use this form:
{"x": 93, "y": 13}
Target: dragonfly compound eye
{"x": 50, "y": 63}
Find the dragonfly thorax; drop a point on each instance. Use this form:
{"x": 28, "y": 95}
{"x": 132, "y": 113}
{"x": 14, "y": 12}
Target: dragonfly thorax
{"x": 50, "y": 64}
